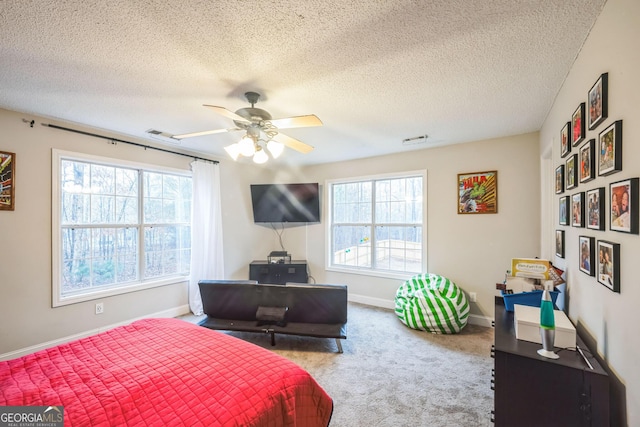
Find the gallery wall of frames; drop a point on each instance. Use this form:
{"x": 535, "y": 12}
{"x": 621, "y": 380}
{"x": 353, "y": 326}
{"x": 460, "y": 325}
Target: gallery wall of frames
{"x": 590, "y": 145}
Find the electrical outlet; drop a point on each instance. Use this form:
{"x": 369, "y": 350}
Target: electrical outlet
{"x": 100, "y": 308}
{"x": 473, "y": 296}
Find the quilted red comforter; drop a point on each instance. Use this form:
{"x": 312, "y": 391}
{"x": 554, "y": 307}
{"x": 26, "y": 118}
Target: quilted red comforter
{"x": 166, "y": 372}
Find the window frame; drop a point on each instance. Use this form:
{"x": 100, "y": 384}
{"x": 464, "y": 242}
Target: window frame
{"x": 56, "y": 229}
{"x": 370, "y": 271}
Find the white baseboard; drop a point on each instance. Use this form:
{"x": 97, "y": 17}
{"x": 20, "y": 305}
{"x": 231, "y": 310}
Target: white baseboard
{"x": 172, "y": 312}
{"x": 474, "y": 319}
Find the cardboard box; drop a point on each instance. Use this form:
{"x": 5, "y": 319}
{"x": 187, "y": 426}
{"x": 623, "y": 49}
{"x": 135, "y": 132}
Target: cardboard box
{"x": 530, "y": 267}
{"x": 527, "y": 325}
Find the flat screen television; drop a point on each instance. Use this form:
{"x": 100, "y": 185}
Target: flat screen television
{"x": 285, "y": 202}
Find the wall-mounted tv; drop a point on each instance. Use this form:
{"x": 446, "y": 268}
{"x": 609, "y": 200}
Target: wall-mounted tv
{"x": 285, "y": 202}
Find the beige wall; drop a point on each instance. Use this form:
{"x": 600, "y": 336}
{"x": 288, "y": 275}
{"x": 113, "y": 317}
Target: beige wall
{"x": 609, "y": 317}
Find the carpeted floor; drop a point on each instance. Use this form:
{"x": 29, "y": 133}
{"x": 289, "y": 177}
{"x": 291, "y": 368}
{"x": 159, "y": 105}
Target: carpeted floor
{"x": 390, "y": 375}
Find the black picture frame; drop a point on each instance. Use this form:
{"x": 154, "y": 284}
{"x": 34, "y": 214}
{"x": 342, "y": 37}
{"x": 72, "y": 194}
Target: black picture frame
{"x": 624, "y": 206}
{"x": 571, "y": 172}
{"x": 577, "y": 209}
{"x": 610, "y": 149}
{"x": 564, "y": 205}
{"x": 609, "y": 265}
{"x": 560, "y": 179}
{"x": 587, "y": 161}
{"x": 598, "y": 101}
{"x": 577, "y": 125}
{"x": 586, "y": 253}
{"x": 560, "y": 243}
{"x": 595, "y": 208}
{"x": 565, "y": 143}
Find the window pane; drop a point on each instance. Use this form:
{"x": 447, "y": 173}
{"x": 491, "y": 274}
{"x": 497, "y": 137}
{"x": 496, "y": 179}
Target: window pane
{"x": 399, "y": 248}
{"x": 353, "y": 204}
{"x": 352, "y": 246}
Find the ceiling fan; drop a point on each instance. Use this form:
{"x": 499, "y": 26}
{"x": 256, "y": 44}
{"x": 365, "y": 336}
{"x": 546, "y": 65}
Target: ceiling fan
{"x": 261, "y": 131}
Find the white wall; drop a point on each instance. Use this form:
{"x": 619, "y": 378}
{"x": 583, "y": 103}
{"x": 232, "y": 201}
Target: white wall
{"x": 609, "y": 317}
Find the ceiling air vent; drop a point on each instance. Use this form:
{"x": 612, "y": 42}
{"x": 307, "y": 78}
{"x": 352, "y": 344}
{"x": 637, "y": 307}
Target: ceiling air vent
{"x": 415, "y": 140}
{"x": 162, "y": 136}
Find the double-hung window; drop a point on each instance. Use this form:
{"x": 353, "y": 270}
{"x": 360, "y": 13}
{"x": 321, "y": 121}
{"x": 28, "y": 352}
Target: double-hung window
{"x": 377, "y": 224}
{"x": 117, "y": 227}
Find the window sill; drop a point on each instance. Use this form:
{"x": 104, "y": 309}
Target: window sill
{"x": 373, "y": 273}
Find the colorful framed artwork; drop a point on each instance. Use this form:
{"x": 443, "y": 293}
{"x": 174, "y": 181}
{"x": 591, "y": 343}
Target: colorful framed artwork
{"x": 577, "y": 210}
{"x": 560, "y": 179}
{"x": 598, "y": 101}
{"x": 624, "y": 206}
{"x": 610, "y": 149}
{"x": 563, "y": 210}
{"x": 609, "y": 265}
{"x": 478, "y": 192}
{"x": 7, "y": 181}
{"x": 587, "y": 250}
{"x": 560, "y": 243}
{"x": 565, "y": 144}
{"x": 571, "y": 172}
{"x": 595, "y": 208}
{"x": 577, "y": 125}
{"x": 588, "y": 161}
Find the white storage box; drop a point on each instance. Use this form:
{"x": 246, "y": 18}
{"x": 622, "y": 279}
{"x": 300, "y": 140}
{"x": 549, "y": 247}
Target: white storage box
{"x": 527, "y": 325}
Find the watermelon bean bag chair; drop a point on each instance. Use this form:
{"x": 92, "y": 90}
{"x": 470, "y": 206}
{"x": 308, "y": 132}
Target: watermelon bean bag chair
{"x": 432, "y": 303}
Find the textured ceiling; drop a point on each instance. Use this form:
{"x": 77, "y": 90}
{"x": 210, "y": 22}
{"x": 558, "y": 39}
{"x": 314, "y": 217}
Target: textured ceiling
{"x": 375, "y": 72}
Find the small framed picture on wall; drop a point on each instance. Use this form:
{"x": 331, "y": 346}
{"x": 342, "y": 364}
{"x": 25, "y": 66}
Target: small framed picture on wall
{"x": 598, "y": 101}
{"x": 609, "y": 265}
{"x": 565, "y": 144}
{"x": 624, "y": 206}
{"x": 610, "y": 149}
{"x": 563, "y": 210}
{"x": 560, "y": 243}
{"x": 577, "y": 210}
{"x": 587, "y": 161}
{"x": 560, "y": 179}
{"x": 587, "y": 250}
{"x": 577, "y": 125}
{"x": 571, "y": 172}
{"x": 595, "y": 209}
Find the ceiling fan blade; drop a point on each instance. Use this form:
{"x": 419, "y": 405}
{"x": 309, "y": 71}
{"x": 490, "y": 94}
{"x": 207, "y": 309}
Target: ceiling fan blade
{"x": 297, "y": 122}
{"x": 227, "y": 113}
{"x": 293, "y": 143}
{"x": 204, "y": 132}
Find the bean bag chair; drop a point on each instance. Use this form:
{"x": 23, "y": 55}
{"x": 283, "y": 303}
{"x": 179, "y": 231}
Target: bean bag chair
{"x": 432, "y": 303}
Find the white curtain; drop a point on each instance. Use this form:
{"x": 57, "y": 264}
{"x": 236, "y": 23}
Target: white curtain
{"x": 207, "y": 261}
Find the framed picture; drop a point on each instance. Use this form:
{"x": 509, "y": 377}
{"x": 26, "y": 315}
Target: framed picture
{"x": 624, "y": 206}
{"x": 478, "y": 192}
{"x": 577, "y": 210}
{"x": 560, "y": 179}
{"x": 598, "y": 101}
{"x": 563, "y": 205}
{"x": 610, "y": 149}
{"x": 609, "y": 265}
{"x": 577, "y": 125}
{"x": 560, "y": 243}
{"x": 587, "y": 249}
{"x": 565, "y": 145}
{"x": 571, "y": 172}
{"x": 7, "y": 181}
{"x": 588, "y": 161}
{"x": 595, "y": 209}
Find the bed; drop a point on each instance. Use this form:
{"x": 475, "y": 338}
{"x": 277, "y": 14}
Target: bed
{"x": 165, "y": 372}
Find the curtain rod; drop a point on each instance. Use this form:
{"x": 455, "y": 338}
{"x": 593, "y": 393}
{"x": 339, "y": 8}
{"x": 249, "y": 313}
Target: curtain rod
{"x": 128, "y": 142}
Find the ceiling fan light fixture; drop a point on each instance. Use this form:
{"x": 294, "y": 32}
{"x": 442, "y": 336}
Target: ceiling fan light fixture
{"x": 260, "y": 156}
{"x": 247, "y": 146}
{"x": 275, "y": 148}
{"x": 233, "y": 151}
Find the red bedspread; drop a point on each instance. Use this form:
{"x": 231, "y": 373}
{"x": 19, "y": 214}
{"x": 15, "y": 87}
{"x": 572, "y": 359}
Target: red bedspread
{"x": 166, "y": 372}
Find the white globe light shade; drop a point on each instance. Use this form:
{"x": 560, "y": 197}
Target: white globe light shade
{"x": 233, "y": 151}
{"x": 275, "y": 148}
{"x": 247, "y": 146}
{"x": 260, "y": 156}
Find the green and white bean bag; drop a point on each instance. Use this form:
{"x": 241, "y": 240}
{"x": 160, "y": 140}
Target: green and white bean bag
{"x": 432, "y": 303}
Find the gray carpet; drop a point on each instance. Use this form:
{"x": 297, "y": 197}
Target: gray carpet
{"x": 390, "y": 375}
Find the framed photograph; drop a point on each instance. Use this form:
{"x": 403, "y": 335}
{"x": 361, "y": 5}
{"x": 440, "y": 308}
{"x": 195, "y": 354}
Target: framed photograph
{"x": 478, "y": 192}
{"x": 7, "y": 181}
{"x": 624, "y": 206}
{"x": 577, "y": 210}
{"x": 563, "y": 205}
{"x": 610, "y": 149}
{"x": 598, "y": 101}
{"x": 588, "y": 161}
{"x": 565, "y": 145}
{"x": 577, "y": 125}
{"x": 609, "y": 265}
{"x": 560, "y": 243}
{"x": 571, "y": 172}
{"x": 587, "y": 249}
{"x": 595, "y": 209}
{"x": 560, "y": 179}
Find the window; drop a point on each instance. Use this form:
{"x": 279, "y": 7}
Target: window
{"x": 118, "y": 227}
{"x": 377, "y": 224}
